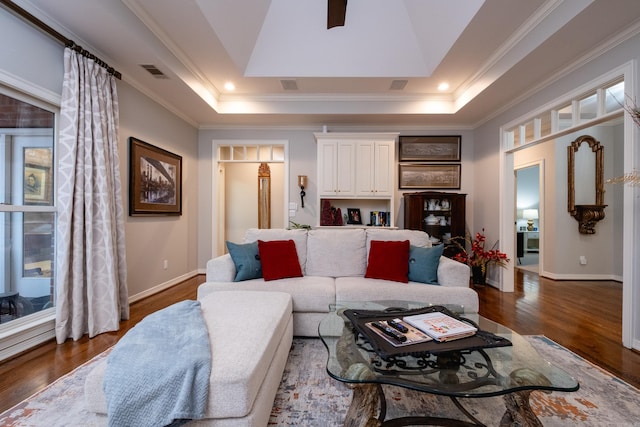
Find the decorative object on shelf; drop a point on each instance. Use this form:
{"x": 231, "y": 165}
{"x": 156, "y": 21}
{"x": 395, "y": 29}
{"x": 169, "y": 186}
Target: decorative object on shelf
{"x": 155, "y": 180}
{"x": 380, "y": 218}
{"x": 302, "y": 183}
{"x": 354, "y": 216}
{"x": 478, "y": 258}
{"x": 431, "y": 219}
{"x": 587, "y": 214}
{"x": 433, "y": 204}
{"x": 530, "y": 215}
{"x": 330, "y": 215}
{"x": 415, "y": 175}
{"x": 430, "y": 148}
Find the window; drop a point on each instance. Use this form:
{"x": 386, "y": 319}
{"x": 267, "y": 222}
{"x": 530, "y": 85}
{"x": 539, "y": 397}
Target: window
{"x": 27, "y": 206}
{"x": 596, "y": 104}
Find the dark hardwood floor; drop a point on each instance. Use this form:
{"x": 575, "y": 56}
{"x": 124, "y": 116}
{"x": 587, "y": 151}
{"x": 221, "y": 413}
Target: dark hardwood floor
{"x": 582, "y": 316}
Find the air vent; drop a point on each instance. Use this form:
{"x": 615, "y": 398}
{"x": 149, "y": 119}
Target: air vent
{"x": 289, "y": 84}
{"x": 154, "y": 71}
{"x": 398, "y": 84}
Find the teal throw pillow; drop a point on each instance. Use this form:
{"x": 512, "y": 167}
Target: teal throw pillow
{"x": 246, "y": 259}
{"x": 423, "y": 264}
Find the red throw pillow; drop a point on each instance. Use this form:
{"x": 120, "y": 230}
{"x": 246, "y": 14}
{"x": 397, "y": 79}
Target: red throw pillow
{"x": 279, "y": 259}
{"x": 388, "y": 261}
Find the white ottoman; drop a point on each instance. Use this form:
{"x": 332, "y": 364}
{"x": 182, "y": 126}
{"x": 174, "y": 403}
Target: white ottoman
{"x": 250, "y": 334}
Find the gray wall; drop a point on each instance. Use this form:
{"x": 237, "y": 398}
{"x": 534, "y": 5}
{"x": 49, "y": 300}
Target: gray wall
{"x": 149, "y": 240}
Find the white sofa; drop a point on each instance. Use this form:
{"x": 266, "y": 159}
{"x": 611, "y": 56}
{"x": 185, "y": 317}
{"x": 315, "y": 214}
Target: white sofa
{"x": 333, "y": 263}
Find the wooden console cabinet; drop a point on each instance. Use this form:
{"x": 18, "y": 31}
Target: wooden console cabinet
{"x": 441, "y": 215}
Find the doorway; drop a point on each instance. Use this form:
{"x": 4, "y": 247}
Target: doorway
{"x": 236, "y": 187}
{"x": 528, "y": 215}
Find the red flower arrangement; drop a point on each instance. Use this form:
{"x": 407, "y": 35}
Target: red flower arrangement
{"x": 478, "y": 257}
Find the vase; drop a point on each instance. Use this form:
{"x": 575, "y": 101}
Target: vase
{"x": 479, "y": 274}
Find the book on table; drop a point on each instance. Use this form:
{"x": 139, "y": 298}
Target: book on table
{"x": 399, "y": 337}
{"x": 440, "y": 326}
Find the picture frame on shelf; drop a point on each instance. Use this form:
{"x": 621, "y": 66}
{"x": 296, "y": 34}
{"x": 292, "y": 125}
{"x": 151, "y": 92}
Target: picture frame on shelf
{"x": 155, "y": 180}
{"x": 446, "y": 148}
{"x": 429, "y": 176}
{"x": 353, "y": 216}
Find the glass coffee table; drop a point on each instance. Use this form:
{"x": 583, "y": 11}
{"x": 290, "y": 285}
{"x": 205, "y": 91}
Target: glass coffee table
{"x": 510, "y": 371}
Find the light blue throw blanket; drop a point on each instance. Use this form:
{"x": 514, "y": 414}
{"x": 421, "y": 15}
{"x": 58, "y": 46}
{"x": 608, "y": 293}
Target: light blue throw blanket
{"x": 158, "y": 373}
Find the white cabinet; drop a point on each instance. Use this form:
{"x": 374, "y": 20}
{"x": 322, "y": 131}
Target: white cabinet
{"x": 336, "y": 174}
{"x": 374, "y": 168}
{"x": 356, "y": 170}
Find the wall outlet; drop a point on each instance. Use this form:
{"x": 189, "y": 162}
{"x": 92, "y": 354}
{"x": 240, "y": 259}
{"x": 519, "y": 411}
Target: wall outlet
{"x": 583, "y": 260}
{"x": 165, "y": 264}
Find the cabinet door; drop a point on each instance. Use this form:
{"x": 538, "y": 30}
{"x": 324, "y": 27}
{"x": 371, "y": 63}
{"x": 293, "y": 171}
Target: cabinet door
{"x": 374, "y": 169}
{"x": 383, "y": 171}
{"x": 327, "y": 168}
{"x": 365, "y": 169}
{"x": 345, "y": 169}
{"x": 336, "y": 172}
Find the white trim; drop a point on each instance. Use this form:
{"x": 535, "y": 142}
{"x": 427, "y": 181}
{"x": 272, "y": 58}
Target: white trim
{"x": 163, "y": 286}
{"x": 580, "y": 277}
{"x": 631, "y": 223}
{"x": 29, "y": 90}
{"x": 26, "y": 332}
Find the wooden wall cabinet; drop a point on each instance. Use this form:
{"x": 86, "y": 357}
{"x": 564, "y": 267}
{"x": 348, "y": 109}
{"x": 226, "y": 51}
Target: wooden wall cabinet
{"x": 441, "y": 215}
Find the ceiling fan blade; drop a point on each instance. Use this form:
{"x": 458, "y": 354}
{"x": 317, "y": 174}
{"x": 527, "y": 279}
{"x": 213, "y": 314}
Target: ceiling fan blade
{"x": 336, "y": 12}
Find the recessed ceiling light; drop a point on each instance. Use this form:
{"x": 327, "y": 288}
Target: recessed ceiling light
{"x": 229, "y": 86}
{"x": 443, "y": 86}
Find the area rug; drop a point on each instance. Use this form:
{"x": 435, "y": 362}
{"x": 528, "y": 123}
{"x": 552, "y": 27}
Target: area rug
{"x": 308, "y": 397}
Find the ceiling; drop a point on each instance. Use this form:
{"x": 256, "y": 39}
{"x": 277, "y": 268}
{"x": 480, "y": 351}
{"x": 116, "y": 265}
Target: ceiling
{"x": 289, "y": 70}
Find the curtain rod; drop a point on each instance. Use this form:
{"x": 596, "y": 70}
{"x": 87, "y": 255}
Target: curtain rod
{"x": 20, "y": 12}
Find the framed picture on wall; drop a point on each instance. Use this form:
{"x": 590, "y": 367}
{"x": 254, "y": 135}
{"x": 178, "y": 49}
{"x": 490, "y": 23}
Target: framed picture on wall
{"x": 426, "y": 176}
{"x": 430, "y": 148}
{"x": 155, "y": 180}
{"x": 37, "y": 186}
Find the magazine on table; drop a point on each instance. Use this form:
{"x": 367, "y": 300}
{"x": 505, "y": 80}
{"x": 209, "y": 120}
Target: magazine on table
{"x": 398, "y": 333}
{"x": 441, "y": 326}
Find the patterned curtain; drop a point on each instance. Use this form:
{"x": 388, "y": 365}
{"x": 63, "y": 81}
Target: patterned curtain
{"x": 91, "y": 273}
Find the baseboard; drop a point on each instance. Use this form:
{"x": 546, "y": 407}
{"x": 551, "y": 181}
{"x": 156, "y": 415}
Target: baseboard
{"x": 163, "y": 286}
{"x": 578, "y": 277}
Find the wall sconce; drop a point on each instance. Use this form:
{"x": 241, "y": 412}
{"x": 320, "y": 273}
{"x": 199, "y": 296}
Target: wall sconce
{"x": 530, "y": 215}
{"x": 302, "y": 182}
